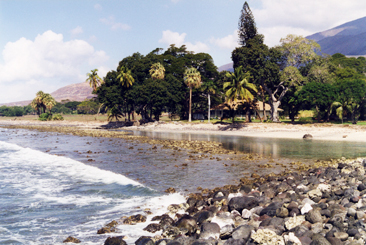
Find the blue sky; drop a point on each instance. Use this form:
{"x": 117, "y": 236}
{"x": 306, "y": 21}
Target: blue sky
{"x": 47, "y": 44}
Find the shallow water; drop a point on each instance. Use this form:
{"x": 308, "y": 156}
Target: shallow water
{"x": 54, "y": 185}
{"x": 274, "y": 147}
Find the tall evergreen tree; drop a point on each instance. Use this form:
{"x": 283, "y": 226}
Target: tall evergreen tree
{"x": 247, "y": 27}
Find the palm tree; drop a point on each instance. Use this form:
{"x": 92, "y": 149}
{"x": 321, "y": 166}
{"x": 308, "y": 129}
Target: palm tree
{"x": 42, "y": 102}
{"x": 192, "y": 78}
{"x": 239, "y": 86}
{"x": 157, "y": 71}
{"x": 114, "y": 112}
{"x": 210, "y": 88}
{"x": 125, "y": 77}
{"x": 93, "y": 79}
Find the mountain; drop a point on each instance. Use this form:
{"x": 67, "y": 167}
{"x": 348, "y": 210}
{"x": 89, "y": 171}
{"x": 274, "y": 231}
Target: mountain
{"x": 73, "y": 92}
{"x": 227, "y": 67}
{"x": 347, "y": 39}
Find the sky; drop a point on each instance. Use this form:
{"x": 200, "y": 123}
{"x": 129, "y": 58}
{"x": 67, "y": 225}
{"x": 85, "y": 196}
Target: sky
{"x": 48, "y": 44}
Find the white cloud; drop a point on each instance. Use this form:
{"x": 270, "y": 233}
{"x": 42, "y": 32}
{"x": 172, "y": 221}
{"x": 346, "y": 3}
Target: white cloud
{"x": 110, "y": 21}
{"x": 98, "y": 7}
{"x": 229, "y": 42}
{"x": 47, "y": 63}
{"x": 277, "y": 19}
{"x": 170, "y": 37}
{"x": 77, "y": 30}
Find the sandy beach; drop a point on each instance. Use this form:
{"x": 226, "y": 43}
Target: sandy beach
{"x": 267, "y": 130}
{"x": 350, "y": 133}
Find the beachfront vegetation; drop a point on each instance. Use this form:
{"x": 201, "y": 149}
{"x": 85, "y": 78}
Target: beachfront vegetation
{"x": 293, "y": 76}
{"x": 93, "y": 79}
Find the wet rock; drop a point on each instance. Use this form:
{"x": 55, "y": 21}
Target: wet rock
{"x": 307, "y": 137}
{"x": 72, "y": 240}
{"x": 187, "y": 224}
{"x": 165, "y": 221}
{"x": 170, "y": 190}
{"x": 153, "y": 228}
{"x": 105, "y": 230}
{"x": 144, "y": 240}
{"x": 115, "y": 241}
{"x": 240, "y": 203}
{"x": 204, "y": 216}
{"x": 232, "y": 241}
{"x": 138, "y": 218}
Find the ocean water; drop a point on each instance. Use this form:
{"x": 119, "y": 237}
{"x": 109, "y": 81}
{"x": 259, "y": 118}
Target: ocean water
{"x": 45, "y": 198}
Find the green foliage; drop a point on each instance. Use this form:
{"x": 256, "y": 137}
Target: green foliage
{"x": 45, "y": 117}
{"x": 57, "y": 117}
{"x": 238, "y": 86}
{"x": 15, "y": 111}
{"x": 93, "y": 79}
{"x": 88, "y": 107}
{"x": 60, "y": 108}
{"x": 305, "y": 120}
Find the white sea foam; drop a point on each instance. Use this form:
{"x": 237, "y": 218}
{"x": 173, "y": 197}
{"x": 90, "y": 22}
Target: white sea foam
{"x": 58, "y": 189}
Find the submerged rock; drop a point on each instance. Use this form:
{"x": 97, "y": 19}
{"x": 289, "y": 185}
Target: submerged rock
{"x": 72, "y": 240}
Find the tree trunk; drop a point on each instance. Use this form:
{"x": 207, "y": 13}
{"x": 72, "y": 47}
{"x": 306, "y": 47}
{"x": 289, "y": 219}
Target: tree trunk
{"x": 190, "y": 105}
{"x": 264, "y": 107}
{"x": 209, "y": 107}
{"x": 274, "y": 111}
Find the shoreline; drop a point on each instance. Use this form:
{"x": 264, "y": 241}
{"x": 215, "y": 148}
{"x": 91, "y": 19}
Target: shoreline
{"x": 278, "y": 190}
{"x": 327, "y": 132}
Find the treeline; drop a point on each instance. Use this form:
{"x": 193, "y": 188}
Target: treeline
{"x": 149, "y": 96}
{"x": 65, "y": 107}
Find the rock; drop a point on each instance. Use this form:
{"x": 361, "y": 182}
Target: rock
{"x": 246, "y": 214}
{"x": 334, "y": 241}
{"x": 144, "y": 240}
{"x": 318, "y": 239}
{"x": 313, "y": 216}
{"x": 315, "y": 193}
{"x": 105, "y": 230}
{"x": 204, "y": 216}
{"x": 138, "y": 218}
{"x": 343, "y": 236}
{"x": 360, "y": 214}
{"x": 351, "y": 212}
{"x": 71, "y": 239}
{"x": 187, "y": 224}
{"x": 361, "y": 187}
{"x": 267, "y": 237}
{"x": 271, "y": 209}
{"x": 115, "y": 241}
{"x": 170, "y": 190}
{"x": 317, "y": 227}
{"x": 242, "y": 232}
{"x": 294, "y": 221}
{"x": 282, "y": 212}
{"x": 165, "y": 221}
{"x": 232, "y": 241}
{"x": 153, "y": 228}
{"x": 210, "y": 230}
{"x": 307, "y": 137}
{"x": 306, "y": 208}
{"x": 292, "y": 239}
{"x": 240, "y": 203}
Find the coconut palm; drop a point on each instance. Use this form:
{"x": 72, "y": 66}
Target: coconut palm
{"x": 238, "y": 86}
{"x": 157, "y": 71}
{"x": 125, "y": 77}
{"x": 93, "y": 79}
{"x": 192, "y": 78}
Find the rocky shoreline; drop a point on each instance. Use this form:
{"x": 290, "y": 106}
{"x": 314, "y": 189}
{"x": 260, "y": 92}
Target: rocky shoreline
{"x": 324, "y": 205}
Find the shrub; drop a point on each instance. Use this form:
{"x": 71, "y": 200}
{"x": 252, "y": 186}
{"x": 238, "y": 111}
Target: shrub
{"x": 45, "y": 117}
{"x": 58, "y": 117}
{"x": 306, "y": 120}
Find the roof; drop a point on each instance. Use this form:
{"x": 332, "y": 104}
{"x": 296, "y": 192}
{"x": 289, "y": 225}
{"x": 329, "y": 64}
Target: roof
{"x": 234, "y": 105}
